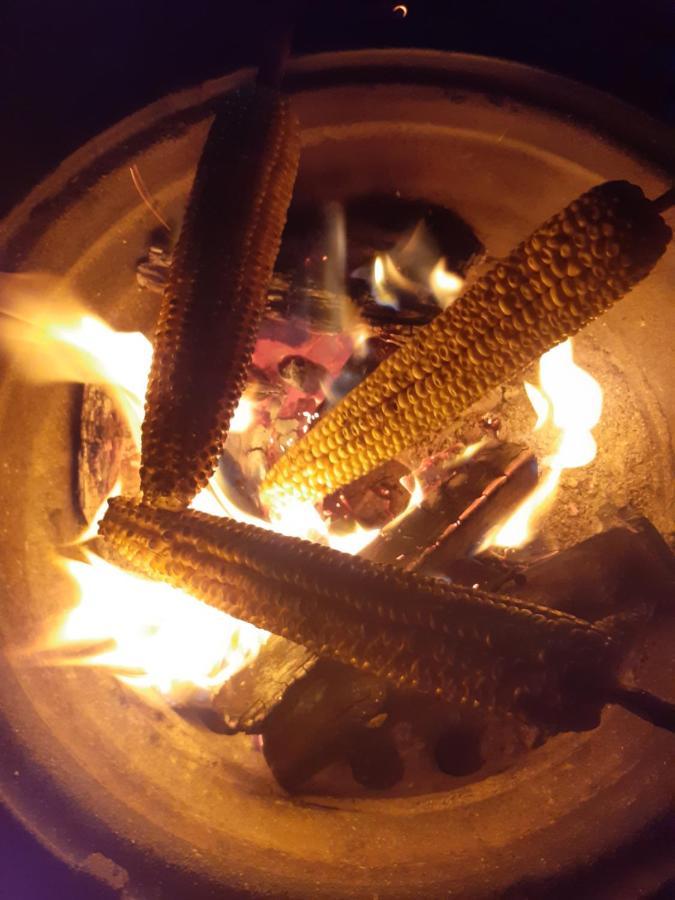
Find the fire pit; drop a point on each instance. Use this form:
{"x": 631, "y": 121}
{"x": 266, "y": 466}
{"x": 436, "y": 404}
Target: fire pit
{"x": 133, "y": 791}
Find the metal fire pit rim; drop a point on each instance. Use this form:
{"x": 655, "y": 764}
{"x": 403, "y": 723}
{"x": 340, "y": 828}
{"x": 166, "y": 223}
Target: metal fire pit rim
{"x": 500, "y": 80}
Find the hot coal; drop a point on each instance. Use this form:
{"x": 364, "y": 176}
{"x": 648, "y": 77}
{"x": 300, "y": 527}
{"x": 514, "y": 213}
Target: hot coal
{"x": 371, "y": 501}
{"x": 302, "y": 373}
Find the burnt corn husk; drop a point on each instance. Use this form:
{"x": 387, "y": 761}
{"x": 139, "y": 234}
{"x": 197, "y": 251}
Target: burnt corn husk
{"x": 463, "y": 645}
{"x": 572, "y": 269}
{"x": 216, "y": 292}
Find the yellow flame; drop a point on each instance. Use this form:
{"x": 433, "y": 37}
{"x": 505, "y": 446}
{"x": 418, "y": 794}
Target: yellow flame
{"x": 445, "y": 285}
{"x": 572, "y": 399}
{"x": 162, "y": 637}
{"x": 51, "y": 338}
{"x": 539, "y": 404}
{"x": 156, "y": 637}
{"x": 243, "y": 416}
{"x": 379, "y": 282}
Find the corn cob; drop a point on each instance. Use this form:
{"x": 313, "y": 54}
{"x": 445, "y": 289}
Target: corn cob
{"x": 216, "y": 291}
{"x": 462, "y": 645}
{"x": 567, "y": 273}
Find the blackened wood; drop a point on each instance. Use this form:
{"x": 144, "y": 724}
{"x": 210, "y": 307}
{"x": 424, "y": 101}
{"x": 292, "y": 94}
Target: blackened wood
{"x": 107, "y": 453}
{"x": 454, "y": 516}
{"x": 248, "y": 697}
{"x": 616, "y": 572}
{"x": 317, "y": 719}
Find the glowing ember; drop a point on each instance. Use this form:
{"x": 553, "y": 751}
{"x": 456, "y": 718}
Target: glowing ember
{"x": 574, "y": 399}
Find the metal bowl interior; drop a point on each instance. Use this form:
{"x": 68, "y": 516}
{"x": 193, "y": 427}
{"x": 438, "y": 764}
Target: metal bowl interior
{"x": 132, "y": 792}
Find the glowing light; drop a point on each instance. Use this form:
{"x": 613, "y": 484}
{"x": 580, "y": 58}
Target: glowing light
{"x": 383, "y": 295}
{"x": 445, "y": 285}
{"x": 401, "y": 10}
{"x": 243, "y": 416}
{"x": 51, "y": 338}
{"x": 539, "y": 404}
{"x": 571, "y": 401}
{"x": 162, "y": 637}
{"x": 153, "y": 636}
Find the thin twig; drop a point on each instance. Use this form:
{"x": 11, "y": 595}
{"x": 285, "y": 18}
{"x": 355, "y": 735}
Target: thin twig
{"x": 665, "y": 201}
{"x": 145, "y": 196}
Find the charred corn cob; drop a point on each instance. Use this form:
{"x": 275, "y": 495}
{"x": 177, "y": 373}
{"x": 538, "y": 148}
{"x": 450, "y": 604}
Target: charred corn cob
{"x": 462, "y": 645}
{"x": 216, "y": 291}
{"x": 568, "y": 272}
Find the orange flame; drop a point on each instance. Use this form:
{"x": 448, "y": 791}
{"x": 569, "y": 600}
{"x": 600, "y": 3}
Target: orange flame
{"x": 155, "y": 637}
{"x": 571, "y": 400}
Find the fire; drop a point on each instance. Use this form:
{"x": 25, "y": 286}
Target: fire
{"x": 571, "y": 400}
{"x": 153, "y": 636}
{"x": 383, "y": 269}
{"x": 156, "y": 637}
{"x": 445, "y": 285}
{"x": 150, "y": 635}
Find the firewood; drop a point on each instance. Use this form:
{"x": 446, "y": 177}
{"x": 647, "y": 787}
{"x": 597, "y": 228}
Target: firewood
{"x": 454, "y": 516}
{"x": 611, "y": 574}
{"x": 317, "y": 719}
{"x": 246, "y": 699}
{"x": 106, "y": 453}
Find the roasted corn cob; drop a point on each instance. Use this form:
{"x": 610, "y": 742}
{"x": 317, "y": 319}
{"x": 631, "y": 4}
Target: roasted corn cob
{"x": 567, "y": 273}
{"x": 216, "y": 292}
{"x": 462, "y": 645}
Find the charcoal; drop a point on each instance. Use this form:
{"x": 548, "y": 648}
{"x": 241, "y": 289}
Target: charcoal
{"x": 615, "y": 572}
{"x": 247, "y": 698}
{"x": 374, "y": 758}
{"x": 458, "y": 751}
{"x": 316, "y": 720}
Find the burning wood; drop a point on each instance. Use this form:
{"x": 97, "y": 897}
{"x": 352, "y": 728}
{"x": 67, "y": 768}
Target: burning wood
{"x": 454, "y": 516}
{"x": 572, "y": 269}
{"x": 107, "y": 454}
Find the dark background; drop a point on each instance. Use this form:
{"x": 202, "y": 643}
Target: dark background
{"x": 71, "y": 68}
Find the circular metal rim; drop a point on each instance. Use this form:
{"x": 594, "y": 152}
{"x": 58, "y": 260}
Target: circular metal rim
{"x": 501, "y": 80}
